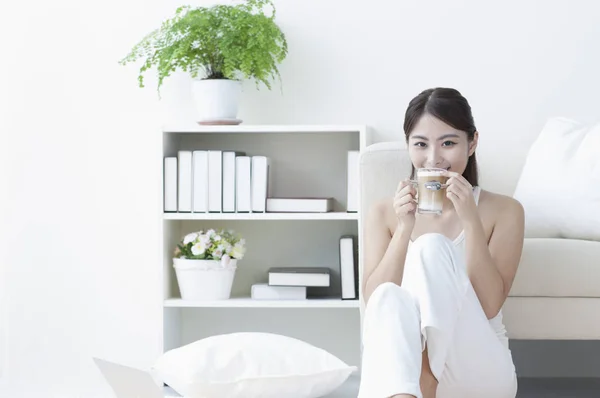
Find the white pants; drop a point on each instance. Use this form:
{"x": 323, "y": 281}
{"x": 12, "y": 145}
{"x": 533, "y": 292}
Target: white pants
{"x": 436, "y": 307}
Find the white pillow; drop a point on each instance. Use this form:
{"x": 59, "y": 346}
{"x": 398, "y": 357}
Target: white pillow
{"x": 251, "y": 365}
{"x": 559, "y": 187}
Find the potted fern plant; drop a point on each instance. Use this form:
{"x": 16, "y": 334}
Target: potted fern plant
{"x": 218, "y": 46}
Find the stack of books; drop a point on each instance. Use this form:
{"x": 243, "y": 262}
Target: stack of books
{"x": 292, "y": 283}
{"x": 203, "y": 181}
{"x": 220, "y": 181}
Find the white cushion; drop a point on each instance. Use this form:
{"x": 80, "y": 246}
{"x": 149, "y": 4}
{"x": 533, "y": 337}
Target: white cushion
{"x": 560, "y": 183}
{"x": 553, "y": 267}
{"x": 251, "y": 365}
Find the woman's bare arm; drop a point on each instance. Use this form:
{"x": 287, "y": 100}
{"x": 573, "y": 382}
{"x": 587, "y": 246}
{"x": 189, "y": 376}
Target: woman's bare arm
{"x": 492, "y": 265}
{"x": 384, "y": 253}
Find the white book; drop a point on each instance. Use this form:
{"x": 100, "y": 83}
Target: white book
{"x": 353, "y": 181}
{"x": 184, "y": 194}
{"x": 260, "y": 183}
{"x": 229, "y": 177}
{"x": 299, "y": 276}
{"x": 299, "y": 205}
{"x": 262, "y": 291}
{"x": 200, "y": 177}
{"x": 348, "y": 270}
{"x": 170, "y": 184}
{"x": 243, "y": 184}
{"x": 215, "y": 181}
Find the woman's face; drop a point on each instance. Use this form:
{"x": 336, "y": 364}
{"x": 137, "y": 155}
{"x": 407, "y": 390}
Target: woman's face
{"x": 433, "y": 143}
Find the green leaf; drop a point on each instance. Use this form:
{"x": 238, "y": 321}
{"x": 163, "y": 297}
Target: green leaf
{"x": 217, "y": 42}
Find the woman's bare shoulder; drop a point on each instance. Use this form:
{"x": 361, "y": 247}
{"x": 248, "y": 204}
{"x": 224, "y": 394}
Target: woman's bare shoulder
{"x": 382, "y": 212}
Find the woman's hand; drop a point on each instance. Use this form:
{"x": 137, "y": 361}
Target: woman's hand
{"x": 405, "y": 205}
{"x": 460, "y": 192}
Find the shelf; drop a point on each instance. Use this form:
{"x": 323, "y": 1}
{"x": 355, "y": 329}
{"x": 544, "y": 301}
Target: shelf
{"x": 261, "y": 216}
{"x": 250, "y": 303}
{"x": 249, "y": 128}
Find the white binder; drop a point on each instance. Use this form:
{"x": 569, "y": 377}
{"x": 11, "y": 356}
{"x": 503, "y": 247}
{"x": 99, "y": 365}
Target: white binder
{"x": 170, "y": 184}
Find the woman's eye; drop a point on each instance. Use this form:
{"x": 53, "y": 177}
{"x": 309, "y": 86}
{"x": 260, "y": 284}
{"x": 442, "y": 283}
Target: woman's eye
{"x": 448, "y": 143}
{"x": 420, "y": 144}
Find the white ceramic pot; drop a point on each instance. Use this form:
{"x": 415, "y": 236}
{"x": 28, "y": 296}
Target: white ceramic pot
{"x": 204, "y": 279}
{"x": 216, "y": 99}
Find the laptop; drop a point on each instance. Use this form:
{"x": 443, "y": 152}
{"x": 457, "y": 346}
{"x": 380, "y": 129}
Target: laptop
{"x": 129, "y": 382}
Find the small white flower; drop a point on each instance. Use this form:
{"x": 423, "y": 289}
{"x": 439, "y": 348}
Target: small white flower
{"x": 217, "y": 238}
{"x": 204, "y": 239}
{"x": 190, "y": 238}
{"x": 210, "y": 233}
{"x": 217, "y": 254}
{"x": 238, "y": 251}
{"x": 225, "y": 260}
{"x": 198, "y": 249}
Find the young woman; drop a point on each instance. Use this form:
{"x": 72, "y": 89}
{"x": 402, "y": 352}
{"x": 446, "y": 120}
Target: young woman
{"x": 435, "y": 285}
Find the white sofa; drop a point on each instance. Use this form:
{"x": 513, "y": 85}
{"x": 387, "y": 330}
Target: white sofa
{"x": 556, "y": 293}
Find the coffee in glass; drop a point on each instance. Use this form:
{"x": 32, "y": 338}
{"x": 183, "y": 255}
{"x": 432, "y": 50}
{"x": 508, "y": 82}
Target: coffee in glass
{"x": 431, "y": 190}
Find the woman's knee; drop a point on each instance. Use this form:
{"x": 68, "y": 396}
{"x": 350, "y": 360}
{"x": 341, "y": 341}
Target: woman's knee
{"x": 388, "y": 294}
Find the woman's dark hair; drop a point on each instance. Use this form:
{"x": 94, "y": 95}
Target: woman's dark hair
{"x": 448, "y": 105}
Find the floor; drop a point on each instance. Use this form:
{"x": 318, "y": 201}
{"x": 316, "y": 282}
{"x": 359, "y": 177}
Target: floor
{"x": 559, "y": 388}
{"x": 528, "y": 388}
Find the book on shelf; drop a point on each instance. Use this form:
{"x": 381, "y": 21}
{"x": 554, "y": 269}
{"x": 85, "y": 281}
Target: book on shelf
{"x": 200, "y": 181}
{"x": 352, "y": 182}
{"x": 263, "y": 291}
{"x": 243, "y": 185}
{"x": 299, "y": 205}
{"x": 170, "y": 184}
{"x": 260, "y": 183}
{"x": 184, "y": 194}
{"x": 299, "y": 276}
{"x": 229, "y": 180}
{"x": 215, "y": 181}
{"x": 348, "y": 267}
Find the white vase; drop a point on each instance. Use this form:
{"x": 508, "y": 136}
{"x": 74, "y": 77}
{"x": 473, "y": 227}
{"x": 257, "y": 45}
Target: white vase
{"x": 204, "y": 279}
{"x": 216, "y": 99}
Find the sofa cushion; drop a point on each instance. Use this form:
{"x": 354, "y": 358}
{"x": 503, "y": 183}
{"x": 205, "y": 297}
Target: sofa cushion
{"x": 560, "y": 183}
{"x": 552, "y": 318}
{"x": 553, "y": 267}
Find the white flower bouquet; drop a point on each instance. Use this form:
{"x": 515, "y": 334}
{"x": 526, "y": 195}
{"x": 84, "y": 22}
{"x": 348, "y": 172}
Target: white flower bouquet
{"x": 211, "y": 245}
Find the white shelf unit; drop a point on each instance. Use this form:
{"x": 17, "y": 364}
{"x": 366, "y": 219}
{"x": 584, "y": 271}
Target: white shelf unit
{"x": 306, "y": 161}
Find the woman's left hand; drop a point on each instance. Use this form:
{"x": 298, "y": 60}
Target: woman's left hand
{"x": 460, "y": 192}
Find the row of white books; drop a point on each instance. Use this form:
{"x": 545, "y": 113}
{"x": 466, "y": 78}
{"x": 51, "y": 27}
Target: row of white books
{"x": 292, "y": 283}
{"x": 201, "y": 181}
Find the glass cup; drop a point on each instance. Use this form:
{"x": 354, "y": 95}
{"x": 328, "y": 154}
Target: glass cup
{"x": 431, "y": 190}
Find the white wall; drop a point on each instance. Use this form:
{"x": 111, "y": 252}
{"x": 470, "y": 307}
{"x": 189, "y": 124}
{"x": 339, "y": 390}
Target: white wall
{"x": 81, "y": 141}
{"x": 80, "y": 221}
{"x": 517, "y": 62}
